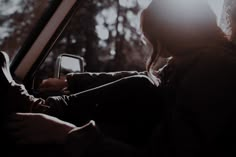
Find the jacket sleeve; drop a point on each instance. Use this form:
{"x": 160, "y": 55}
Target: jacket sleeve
{"x": 78, "y": 82}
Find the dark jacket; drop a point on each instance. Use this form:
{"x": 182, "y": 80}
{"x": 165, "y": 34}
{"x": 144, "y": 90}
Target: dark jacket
{"x": 198, "y": 109}
{"x": 200, "y": 106}
{"x": 78, "y": 82}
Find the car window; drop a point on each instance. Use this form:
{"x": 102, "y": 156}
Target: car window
{"x": 106, "y": 34}
{"x": 17, "y": 18}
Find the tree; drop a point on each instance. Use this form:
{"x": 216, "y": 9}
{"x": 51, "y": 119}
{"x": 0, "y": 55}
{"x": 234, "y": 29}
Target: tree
{"x": 18, "y": 18}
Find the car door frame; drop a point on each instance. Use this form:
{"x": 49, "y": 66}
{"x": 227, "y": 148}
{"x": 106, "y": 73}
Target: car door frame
{"x": 35, "y": 49}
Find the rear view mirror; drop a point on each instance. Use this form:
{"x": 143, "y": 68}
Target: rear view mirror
{"x": 67, "y": 63}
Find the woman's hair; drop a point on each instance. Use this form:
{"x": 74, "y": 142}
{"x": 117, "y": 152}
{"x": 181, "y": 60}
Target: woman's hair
{"x": 193, "y": 22}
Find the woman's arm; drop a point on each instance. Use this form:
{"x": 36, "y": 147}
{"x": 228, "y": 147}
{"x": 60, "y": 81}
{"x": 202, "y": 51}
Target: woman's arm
{"x": 78, "y": 82}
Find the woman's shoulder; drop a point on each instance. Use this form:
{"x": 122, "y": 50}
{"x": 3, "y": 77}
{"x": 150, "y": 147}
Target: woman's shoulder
{"x": 213, "y": 58}
{"x": 211, "y": 66}
{"x": 211, "y": 79}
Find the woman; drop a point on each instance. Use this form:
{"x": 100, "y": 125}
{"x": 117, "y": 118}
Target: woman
{"x": 196, "y": 87}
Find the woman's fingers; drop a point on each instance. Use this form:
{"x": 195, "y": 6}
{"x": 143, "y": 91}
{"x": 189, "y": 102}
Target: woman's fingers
{"x": 45, "y": 89}
{"x": 46, "y": 82}
{"x": 52, "y": 82}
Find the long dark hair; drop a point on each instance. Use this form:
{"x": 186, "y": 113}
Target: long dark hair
{"x": 197, "y": 29}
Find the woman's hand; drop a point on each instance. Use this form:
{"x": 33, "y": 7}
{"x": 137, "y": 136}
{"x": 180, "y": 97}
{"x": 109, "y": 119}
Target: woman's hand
{"x": 53, "y": 85}
{"x": 34, "y": 128}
